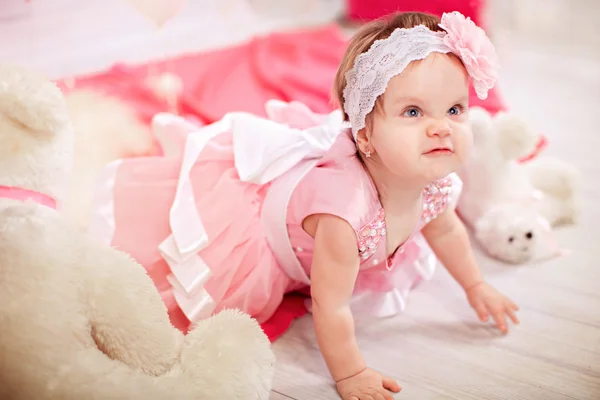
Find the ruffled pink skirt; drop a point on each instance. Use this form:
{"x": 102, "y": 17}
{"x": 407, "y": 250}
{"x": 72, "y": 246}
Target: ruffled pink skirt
{"x": 243, "y": 271}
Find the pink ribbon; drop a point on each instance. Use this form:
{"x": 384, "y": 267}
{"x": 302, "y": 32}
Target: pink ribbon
{"x": 15, "y": 193}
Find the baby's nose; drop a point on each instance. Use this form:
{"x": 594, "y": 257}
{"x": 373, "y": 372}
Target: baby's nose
{"x": 441, "y": 131}
{"x": 440, "y": 128}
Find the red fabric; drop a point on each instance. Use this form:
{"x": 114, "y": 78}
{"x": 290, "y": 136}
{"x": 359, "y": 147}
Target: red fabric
{"x": 288, "y": 66}
{"x": 298, "y": 65}
{"x": 291, "y": 308}
{"x": 367, "y": 10}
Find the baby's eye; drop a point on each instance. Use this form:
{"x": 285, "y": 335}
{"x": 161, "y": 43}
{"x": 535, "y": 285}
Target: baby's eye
{"x": 456, "y": 110}
{"x": 412, "y": 112}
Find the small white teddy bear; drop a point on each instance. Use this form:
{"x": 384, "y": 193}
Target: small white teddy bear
{"x": 512, "y": 206}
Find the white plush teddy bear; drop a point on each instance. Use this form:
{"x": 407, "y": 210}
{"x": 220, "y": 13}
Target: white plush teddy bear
{"x": 78, "y": 319}
{"x": 512, "y": 206}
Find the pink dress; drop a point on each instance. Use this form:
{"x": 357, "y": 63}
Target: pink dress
{"x": 219, "y": 225}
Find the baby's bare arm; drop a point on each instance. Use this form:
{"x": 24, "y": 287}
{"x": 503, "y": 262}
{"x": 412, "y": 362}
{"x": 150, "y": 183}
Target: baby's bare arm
{"x": 334, "y": 270}
{"x": 449, "y": 240}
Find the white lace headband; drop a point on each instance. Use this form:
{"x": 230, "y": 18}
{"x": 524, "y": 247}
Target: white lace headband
{"x": 386, "y": 58}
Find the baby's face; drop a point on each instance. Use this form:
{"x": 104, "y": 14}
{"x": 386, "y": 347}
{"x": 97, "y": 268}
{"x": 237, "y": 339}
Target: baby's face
{"x": 422, "y": 133}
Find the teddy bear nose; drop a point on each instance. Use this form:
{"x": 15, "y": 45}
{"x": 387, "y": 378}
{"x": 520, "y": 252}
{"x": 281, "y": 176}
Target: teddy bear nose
{"x": 529, "y": 235}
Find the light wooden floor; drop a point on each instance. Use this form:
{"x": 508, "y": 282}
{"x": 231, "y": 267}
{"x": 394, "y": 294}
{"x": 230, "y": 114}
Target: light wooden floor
{"x": 437, "y": 349}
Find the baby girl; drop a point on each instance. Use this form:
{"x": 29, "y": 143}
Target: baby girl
{"x": 354, "y": 208}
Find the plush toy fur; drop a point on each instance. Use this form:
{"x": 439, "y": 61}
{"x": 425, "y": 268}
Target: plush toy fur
{"x": 80, "y": 320}
{"x": 106, "y": 129}
{"x": 512, "y": 206}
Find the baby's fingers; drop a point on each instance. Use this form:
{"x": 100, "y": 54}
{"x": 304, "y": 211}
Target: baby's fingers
{"x": 391, "y": 384}
{"x": 498, "y": 315}
{"x": 511, "y": 314}
{"x": 380, "y": 396}
{"x": 383, "y": 394}
{"x": 481, "y": 311}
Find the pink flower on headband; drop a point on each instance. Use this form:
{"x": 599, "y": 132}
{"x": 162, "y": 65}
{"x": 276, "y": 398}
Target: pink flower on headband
{"x": 471, "y": 44}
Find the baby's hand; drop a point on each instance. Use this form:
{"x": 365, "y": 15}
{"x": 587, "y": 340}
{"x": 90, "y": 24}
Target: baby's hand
{"x": 486, "y": 300}
{"x": 369, "y": 385}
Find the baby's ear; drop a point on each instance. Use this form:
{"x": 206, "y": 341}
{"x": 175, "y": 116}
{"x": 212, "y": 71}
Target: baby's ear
{"x": 31, "y": 100}
{"x": 362, "y": 140}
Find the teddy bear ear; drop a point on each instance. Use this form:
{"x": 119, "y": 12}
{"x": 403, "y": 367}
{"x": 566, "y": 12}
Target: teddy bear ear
{"x": 516, "y": 139}
{"x": 31, "y": 100}
{"x": 480, "y": 121}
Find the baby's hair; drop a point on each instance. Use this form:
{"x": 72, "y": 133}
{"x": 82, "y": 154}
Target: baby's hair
{"x": 367, "y": 35}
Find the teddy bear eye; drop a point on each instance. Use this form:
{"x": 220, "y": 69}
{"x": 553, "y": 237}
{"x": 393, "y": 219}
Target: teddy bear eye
{"x": 529, "y": 235}
{"x": 511, "y": 239}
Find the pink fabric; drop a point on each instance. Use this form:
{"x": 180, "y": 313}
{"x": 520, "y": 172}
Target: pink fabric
{"x": 245, "y": 274}
{"x": 14, "y": 193}
{"x": 367, "y": 10}
{"x": 339, "y": 185}
{"x": 381, "y": 280}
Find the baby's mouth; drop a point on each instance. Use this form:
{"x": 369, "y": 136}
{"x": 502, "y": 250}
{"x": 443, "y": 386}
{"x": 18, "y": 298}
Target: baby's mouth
{"x": 439, "y": 151}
